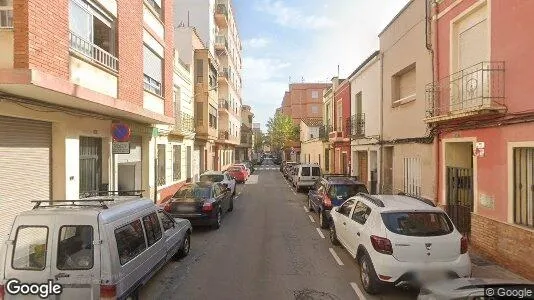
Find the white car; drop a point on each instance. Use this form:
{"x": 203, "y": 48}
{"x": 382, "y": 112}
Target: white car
{"x": 222, "y": 177}
{"x": 399, "y": 240}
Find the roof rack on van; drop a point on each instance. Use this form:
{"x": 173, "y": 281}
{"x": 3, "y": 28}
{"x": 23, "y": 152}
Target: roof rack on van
{"x": 424, "y": 200}
{"x": 135, "y": 193}
{"x": 60, "y": 203}
{"x": 372, "y": 199}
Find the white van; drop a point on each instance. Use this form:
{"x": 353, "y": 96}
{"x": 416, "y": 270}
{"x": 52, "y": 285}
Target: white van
{"x": 305, "y": 175}
{"x": 93, "y": 248}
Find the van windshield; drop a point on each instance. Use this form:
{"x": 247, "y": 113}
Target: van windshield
{"x": 75, "y": 248}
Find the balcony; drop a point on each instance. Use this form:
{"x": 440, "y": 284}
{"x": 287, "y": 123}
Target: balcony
{"x": 221, "y": 14}
{"x": 223, "y": 75}
{"x": 324, "y": 132}
{"x": 6, "y": 17}
{"x": 93, "y": 52}
{"x": 184, "y": 123}
{"x": 224, "y": 106}
{"x": 224, "y": 135}
{"x": 246, "y": 139}
{"x": 356, "y": 126}
{"x": 221, "y": 43}
{"x": 477, "y": 90}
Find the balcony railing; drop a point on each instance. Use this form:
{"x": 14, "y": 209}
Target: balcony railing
{"x": 93, "y": 52}
{"x": 324, "y": 131}
{"x": 6, "y": 17}
{"x": 246, "y": 138}
{"x": 223, "y": 72}
{"x": 184, "y": 123}
{"x": 224, "y": 135}
{"x": 223, "y": 104}
{"x": 221, "y": 42}
{"x": 355, "y": 126}
{"x": 479, "y": 87}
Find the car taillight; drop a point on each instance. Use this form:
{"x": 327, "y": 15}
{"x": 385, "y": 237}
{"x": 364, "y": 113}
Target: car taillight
{"x": 327, "y": 202}
{"x": 207, "y": 207}
{"x": 464, "y": 245}
{"x": 381, "y": 245}
{"x": 108, "y": 292}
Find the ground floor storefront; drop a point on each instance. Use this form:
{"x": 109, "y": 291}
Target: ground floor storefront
{"x": 365, "y": 164}
{"x": 485, "y": 182}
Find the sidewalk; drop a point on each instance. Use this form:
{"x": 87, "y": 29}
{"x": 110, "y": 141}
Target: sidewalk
{"x": 483, "y": 268}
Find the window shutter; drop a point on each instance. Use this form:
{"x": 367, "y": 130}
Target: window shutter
{"x": 153, "y": 65}
{"x": 473, "y": 45}
{"x": 407, "y": 84}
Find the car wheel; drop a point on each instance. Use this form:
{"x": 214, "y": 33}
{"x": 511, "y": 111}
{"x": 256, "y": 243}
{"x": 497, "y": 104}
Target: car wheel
{"x": 218, "y": 219}
{"x": 333, "y": 235}
{"x": 231, "y": 208}
{"x": 310, "y": 208}
{"x": 370, "y": 282}
{"x": 322, "y": 222}
{"x": 186, "y": 246}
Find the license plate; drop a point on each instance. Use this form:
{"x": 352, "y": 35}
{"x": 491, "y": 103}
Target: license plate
{"x": 186, "y": 208}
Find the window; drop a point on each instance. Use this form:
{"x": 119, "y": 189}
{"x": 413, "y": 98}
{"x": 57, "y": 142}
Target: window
{"x": 199, "y": 113}
{"x": 316, "y": 171}
{"x": 523, "y": 181}
{"x": 412, "y": 176}
{"x": 305, "y": 171}
{"x": 418, "y": 223}
{"x": 166, "y": 220}
{"x": 361, "y": 213}
{"x": 346, "y": 208}
{"x": 152, "y": 228}
{"x": 130, "y": 241}
{"x": 212, "y": 116}
{"x": 404, "y": 84}
{"x": 152, "y": 70}
{"x": 339, "y": 117}
{"x": 31, "y": 244}
{"x": 315, "y": 94}
{"x": 6, "y": 13}
{"x": 177, "y": 162}
{"x": 199, "y": 70}
{"x": 75, "y": 248}
{"x": 314, "y": 109}
{"x": 156, "y": 5}
{"x": 161, "y": 164}
{"x": 177, "y": 98}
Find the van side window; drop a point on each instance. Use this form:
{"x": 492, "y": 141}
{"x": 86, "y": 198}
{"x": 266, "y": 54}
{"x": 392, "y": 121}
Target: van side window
{"x": 152, "y": 228}
{"x": 75, "y": 247}
{"x": 316, "y": 171}
{"x": 167, "y": 221}
{"x": 305, "y": 171}
{"x": 31, "y": 245}
{"x": 130, "y": 241}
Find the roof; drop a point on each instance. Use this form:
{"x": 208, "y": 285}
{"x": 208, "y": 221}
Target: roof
{"x": 364, "y": 63}
{"x": 312, "y": 122}
{"x": 396, "y": 17}
{"x": 401, "y": 202}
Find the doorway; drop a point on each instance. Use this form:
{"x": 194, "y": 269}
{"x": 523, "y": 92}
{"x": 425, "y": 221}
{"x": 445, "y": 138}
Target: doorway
{"x": 90, "y": 164}
{"x": 363, "y": 167}
{"x": 344, "y": 163}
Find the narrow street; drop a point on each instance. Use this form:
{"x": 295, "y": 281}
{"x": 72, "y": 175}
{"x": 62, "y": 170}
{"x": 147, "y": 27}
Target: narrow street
{"x": 267, "y": 248}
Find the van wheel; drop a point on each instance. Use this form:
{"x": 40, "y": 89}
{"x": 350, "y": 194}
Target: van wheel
{"x": 186, "y": 246}
{"x": 370, "y": 282}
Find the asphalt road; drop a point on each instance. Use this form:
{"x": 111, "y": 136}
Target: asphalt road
{"x": 269, "y": 247}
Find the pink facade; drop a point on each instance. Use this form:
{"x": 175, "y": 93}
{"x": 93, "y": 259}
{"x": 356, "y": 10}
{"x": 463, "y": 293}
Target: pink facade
{"x": 340, "y": 137}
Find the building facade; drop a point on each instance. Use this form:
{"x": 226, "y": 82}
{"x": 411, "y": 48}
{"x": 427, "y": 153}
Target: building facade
{"x": 313, "y": 146}
{"x": 485, "y": 124}
{"x": 328, "y": 123}
{"x": 244, "y": 151}
{"x": 407, "y": 155}
{"x": 365, "y": 122}
{"x": 214, "y": 20}
{"x": 339, "y": 135}
{"x": 65, "y": 85}
{"x": 303, "y": 101}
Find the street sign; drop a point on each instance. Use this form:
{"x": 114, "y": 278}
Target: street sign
{"x": 121, "y": 132}
{"x": 121, "y": 147}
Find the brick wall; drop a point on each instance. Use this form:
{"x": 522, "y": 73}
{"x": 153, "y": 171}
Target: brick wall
{"x": 41, "y": 35}
{"x": 508, "y": 245}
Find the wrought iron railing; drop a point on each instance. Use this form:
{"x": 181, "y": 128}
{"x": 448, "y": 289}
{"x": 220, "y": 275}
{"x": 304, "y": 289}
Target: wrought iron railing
{"x": 224, "y": 135}
{"x": 355, "y": 126}
{"x": 480, "y": 86}
{"x": 93, "y": 52}
{"x": 324, "y": 131}
{"x": 223, "y": 72}
{"x": 185, "y": 123}
{"x": 221, "y": 41}
{"x": 6, "y": 17}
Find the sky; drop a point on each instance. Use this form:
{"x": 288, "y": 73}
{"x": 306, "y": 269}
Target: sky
{"x": 304, "y": 39}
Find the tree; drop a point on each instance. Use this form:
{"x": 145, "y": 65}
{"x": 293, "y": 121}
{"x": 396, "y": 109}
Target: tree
{"x": 281, "y": 131}
{"x": 259, "y": 141}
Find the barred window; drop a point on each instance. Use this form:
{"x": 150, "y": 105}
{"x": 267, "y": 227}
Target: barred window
{"x": 161, "y": 165}
{"x": 177, "y": 162}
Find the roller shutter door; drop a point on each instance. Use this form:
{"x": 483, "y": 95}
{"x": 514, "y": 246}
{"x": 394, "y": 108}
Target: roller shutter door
{"x": 25, "y": 149}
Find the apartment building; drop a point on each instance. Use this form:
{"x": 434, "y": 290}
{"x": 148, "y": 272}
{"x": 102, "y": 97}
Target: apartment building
{"x": 244, "y": 150}
{"x": 364, "y": 123}
{"x": 407, "y": 156}
{"x": 328, "y": 123}
{"x": 215, "y": 23}
{"x": 339, "y": 135}
{"x": 303, "y": 101}
{"x": 75, "y": 114}
{"x": 479, "y": 106}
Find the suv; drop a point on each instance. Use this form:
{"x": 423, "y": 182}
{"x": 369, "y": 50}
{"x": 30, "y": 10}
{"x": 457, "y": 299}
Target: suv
{"x": 399, "y": 240}
{"x": 332, "y": 191}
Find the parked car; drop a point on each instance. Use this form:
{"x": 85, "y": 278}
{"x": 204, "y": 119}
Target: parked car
{"x": 331, "y": 191}
{"x": 224, "y": 178}
{"x": 239, "y": 173}
{"x": 250, "y": 166}
{"x": 96, "y": 248}
{"x": 202, "y": 203}
{"x": 305, "y": 176}
{"x": 288, "y": 169}
{"x": 243, "y": 166}
{"x": 470, "y": 288}
{"x": 398, "y": 240}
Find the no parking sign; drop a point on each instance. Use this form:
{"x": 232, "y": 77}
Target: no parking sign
{"x": 121, "y": 132}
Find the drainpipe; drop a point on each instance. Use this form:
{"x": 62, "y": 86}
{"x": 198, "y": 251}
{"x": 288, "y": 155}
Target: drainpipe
{"x": 381, "y": 121}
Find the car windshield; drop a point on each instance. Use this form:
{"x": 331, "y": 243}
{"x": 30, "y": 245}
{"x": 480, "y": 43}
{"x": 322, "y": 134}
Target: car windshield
{"x": 418, "y": 223}
{"x": 345, "y": 191}
{"x": 195, "y": 192}
{"x": 236, "y": 169}
{"x": 212, "y": 178}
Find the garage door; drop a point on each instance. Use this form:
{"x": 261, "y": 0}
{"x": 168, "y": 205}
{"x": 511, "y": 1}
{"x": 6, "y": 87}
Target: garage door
{"x": 25, "y": 148}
